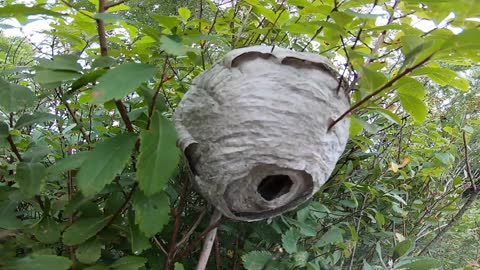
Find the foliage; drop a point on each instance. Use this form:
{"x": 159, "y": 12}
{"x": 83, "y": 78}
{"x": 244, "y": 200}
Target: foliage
{"x": 90, "y": 177}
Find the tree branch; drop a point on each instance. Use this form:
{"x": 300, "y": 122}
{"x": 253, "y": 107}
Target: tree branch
{"x": 102, "y": 36}
{"x": 460, "y": 212}
{"x": 209, "y": 241}
{"x": 379, "y": 90}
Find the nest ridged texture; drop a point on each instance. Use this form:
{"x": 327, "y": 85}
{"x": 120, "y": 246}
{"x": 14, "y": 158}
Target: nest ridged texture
{"x": 254, "y": 129}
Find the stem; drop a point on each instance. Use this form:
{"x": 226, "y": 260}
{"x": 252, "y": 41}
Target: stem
{"x": 379, "y": 90}
{"x": 209, "y": 240}
{"x": 102, "y": 36}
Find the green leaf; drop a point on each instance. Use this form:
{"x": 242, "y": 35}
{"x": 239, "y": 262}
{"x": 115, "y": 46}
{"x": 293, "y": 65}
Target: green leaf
{"x": 47, "y": 231}
{"x": 37, "y": 262}
{"x": 83, "y": 229}
{"x": 172, "y": 46}
{"x": 121, "y": 81}
{"x": 103, "y": 62}
{"x": 443, "y": 76}
{"x": 372, "y": 79}
{"x": 332, "y": 236}
{"x": 103, "y": 163}
{"x": 16, "y": 10}
{"x": 90, "y": 77}
{"x": 68, "y": 163}
{"x": 152, "y": 212}
{"x": 89, "y": 252}
{"x": 256, "y": 260}
{"x": 139, "y": 242}
{"x": 8, "y": 215}
{"x": 159, "y": 155}
{"x": 410, "y": 86}
{"x": 414, "y": 106}
{"x": 4, "y": 130}
{"x": 389, "y": 115}
{"x": 30, "y": 177}
{"x": 15, "y": 97}
{"x": 129, "y": 263}
{"x": 169, "y": 22}
{"x": 402, "y": 248}
{"x": 178, "y": 266}
{"x": 184, "y": 13}
{"x": 417, "y": 263}
{"x": 289, "y": 241}
{"x": 35, "y": 118}
{"x": 66, "y": 62}
{"x": 48, "y": 76}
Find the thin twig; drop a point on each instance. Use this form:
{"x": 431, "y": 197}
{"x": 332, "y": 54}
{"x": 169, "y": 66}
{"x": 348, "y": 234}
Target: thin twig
{"x": 115, "y": 4}
{"x": 192, "y": 229}
{"x": 14, "y": 148}
{"x": 159, "y": 245}
{"x": 379, "y": 90}
{"x": 209, "y": 240}
{"x": 102, "y": 36}
{"x": 459, "y": 214}
{"x": 467, "y": 163}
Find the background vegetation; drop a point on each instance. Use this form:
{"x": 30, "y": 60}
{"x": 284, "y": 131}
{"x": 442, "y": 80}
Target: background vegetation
{"x": 90, "y": 177}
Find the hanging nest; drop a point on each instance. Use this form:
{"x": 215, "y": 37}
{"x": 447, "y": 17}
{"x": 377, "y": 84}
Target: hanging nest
{"x": 254, "y": 129}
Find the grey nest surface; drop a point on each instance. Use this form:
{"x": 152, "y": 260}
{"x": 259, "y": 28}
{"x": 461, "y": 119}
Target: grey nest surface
{"x": 254, "y": 129}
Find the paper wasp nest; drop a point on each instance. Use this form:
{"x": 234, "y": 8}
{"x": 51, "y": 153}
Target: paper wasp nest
{"x": 255, "y": 130}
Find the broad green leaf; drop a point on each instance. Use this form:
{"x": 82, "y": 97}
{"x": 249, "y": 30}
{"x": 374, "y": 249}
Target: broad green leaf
{"x": 47, "y": 231}
{"x": 178, "y": 266}
{"x": 4, "y": 130}
{"x": 48, "y": 76}
{"x": 289, "y": 241}
{"x": 90, "y": 77}
{"x": 184, "y": 13}
{"x": 66, "y": 62}
{"x": 89, "y": 252}
{"x": 402, "y": 248}
{"x": 256, "y": 260}
{"x": 414, "y": 106}
{"x": 410, "y": 86}
{"x": 8, "y": 216}
{"x": 300, "y": 258}
{"x": 169, "y": 22}
{"x": 103, "y": 62}
{"x": 19, "y": 10}
{"x": 83, "y": 229}
{"x": 372, "y": 80}
{"x": 15, "y": 97}
{"x": 103, "y": 163}
{"x": 129, "y": 263}
{"x": 152, "y": 212}
{"x": 172, "y": 46}
{"x": 355, "y": 126}
{"x": 389, "y": 115}
{"x": 30, "y": 177}
{"x": 139, "y": 242}
{"x": 332, "y": 236}
{"x": 159, "y": 155}
{"x": 121, "y": 81}
{"x": 443, "y": 76}
{"x": 35, "y": 118}
{"x": 37, "y": 262}
{"x": 68, "y": 163}
{"x": 417, "y": 263}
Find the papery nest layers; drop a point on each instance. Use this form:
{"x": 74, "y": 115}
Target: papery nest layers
{"x": 254, "y": 128}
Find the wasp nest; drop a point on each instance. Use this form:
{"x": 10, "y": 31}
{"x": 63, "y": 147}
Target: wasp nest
{"x": 254, "y": 129}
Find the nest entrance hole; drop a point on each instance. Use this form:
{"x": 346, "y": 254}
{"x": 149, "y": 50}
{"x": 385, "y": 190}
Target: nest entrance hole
{"x": 274, "y": 186}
